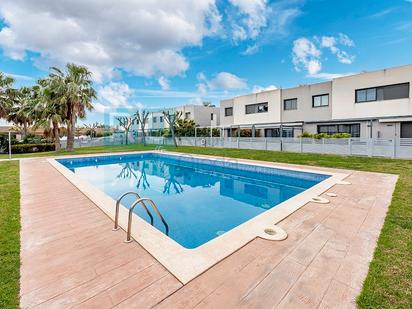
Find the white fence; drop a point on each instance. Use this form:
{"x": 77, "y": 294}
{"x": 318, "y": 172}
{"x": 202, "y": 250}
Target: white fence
{"x": 98, "y": 141}
{"x": 391, "y": 148}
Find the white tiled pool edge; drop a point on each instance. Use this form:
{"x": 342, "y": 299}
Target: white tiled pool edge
{"x": 186, "y": 264}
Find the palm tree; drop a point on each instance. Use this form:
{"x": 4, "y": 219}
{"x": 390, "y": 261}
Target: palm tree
{"x": 6, "y": 83}
{"x": 48, "y": 110}
{"x": 74, "y": 90}
{"x": 20, "y": 112}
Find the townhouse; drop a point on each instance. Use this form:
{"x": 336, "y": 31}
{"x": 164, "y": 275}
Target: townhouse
{"x": 370, "y": 104}
{"x": 205, "y": 115}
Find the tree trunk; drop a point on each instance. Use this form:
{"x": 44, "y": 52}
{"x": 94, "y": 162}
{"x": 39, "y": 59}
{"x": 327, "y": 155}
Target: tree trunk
{"x": 56, "y": 136}
{"x": 173, "y": 135}
{"x": 143, "y": 136}
{"x": 24, "y": 128}
{"x": 70, "y": 132}
{"x": 127, "y": 136}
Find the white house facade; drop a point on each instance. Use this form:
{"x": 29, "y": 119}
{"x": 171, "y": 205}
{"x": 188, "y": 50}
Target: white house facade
{"x": 370, "y": 104}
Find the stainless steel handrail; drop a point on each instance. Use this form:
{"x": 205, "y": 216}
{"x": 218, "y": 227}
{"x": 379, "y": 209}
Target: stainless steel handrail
{"x": 116, "y": 216}
{"x": 129, "y": 223}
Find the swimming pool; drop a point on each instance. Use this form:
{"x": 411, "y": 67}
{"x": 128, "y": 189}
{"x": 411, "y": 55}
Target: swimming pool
{"x": 213, "y": 205}
{"x": 199, "y": 199}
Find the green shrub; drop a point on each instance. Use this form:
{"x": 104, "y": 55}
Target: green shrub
{"x": 341, "y": 135}
{"x": 324, "y": 135}
{"x": 306, "y": 135}
{"x": 321, "y": 135}
{"x": 102, "y": 134}
{"x": 27, "y": 148}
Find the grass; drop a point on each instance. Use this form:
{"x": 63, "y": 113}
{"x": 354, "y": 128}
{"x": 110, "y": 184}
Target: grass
{"x": 389, "y": 281}
{"x": 9, "y": 234}
{"x": 85, "y": 150}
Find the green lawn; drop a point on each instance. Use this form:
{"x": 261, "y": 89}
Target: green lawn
{"x": 389, "y": 281}
{"x": 9, "y": 234}
{"x": 85, "y": 150}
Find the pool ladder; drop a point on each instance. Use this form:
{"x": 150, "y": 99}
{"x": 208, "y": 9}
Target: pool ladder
{"x": 140, "y": 201}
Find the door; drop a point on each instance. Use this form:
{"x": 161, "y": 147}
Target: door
{"x": 406, "y": 130}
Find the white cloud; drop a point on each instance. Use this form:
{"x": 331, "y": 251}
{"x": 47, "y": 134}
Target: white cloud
{"x": 252, "y": 49}
{"x": 332, "y": 43}
{"x": 306, "y": 53}
{"x": 18, "y": 76}
{"x": 164, "y": 83}
{"x": 223, "y": 81}
{"x": 251, "y": 20}
{"x": 202, "y": 89}
{"x": 227, "y": 81}
{"x": 114, "y": 97}
{"x": 345, "y": 40}
{"x": 329, "y": 76}
{"x": 260, "y": 22}
{"x": 142, "y": 37}
{"x": 257, "y": 89}
{"x": 384, "y": 12}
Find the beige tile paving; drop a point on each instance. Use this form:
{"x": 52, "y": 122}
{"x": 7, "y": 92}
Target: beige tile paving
{"x": 71, "y": 258}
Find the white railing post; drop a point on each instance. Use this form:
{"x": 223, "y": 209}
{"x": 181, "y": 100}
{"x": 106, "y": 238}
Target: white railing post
{"x": 350, "y": 146}
{"x": 370, "y": 147}
{"x": 9, "y": 145}
{"x": 266, "y": 143}
{"x": 238, "y": 140}
{"x": 301, "y": 144}
{"x": 394, "y": 148}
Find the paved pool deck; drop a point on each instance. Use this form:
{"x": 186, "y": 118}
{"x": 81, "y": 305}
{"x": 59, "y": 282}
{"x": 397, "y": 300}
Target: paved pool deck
{"x": 70, "y": 257}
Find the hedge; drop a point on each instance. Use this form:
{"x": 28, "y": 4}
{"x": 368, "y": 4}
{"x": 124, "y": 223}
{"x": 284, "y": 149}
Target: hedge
{"x": 26, "y": 148}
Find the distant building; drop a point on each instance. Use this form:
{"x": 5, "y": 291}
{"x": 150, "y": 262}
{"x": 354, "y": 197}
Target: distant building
{"x": 370, "y": 104}
{"x": 205, "y": 115}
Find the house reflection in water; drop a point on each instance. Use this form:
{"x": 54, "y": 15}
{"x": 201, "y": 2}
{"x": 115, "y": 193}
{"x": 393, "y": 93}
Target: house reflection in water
{"x": 254, "y": 192}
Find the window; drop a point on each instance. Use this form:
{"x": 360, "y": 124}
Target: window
{"x": 211, "y": 116}
{"x": 366, "y": 95}
{"x": 258, "y": 191}
{"x": 390, "y": 92}
{"x": 187, "y": 115}
{"x": 287, "y": 132}
{"x": 154, "y": 119}
{"x": 352, "y": 129}
{"x": 256, "y": 108}
{"x": 320, "y": 100}
{"x": 228, "y": 111}
{"x": 272, "y": 132}
{"x": 290, "y": 104}
{"x": 406, "y": 130}
{"x": 160, "y": 118}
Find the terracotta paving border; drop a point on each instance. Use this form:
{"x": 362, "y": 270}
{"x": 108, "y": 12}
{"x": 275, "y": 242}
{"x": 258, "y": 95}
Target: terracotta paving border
{"x": 71, "y": 258}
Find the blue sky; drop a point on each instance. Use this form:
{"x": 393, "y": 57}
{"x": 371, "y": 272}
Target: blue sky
{"x": 155, "y": 54}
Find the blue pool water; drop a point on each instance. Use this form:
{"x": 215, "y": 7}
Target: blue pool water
{"x": 200, "y": 199}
